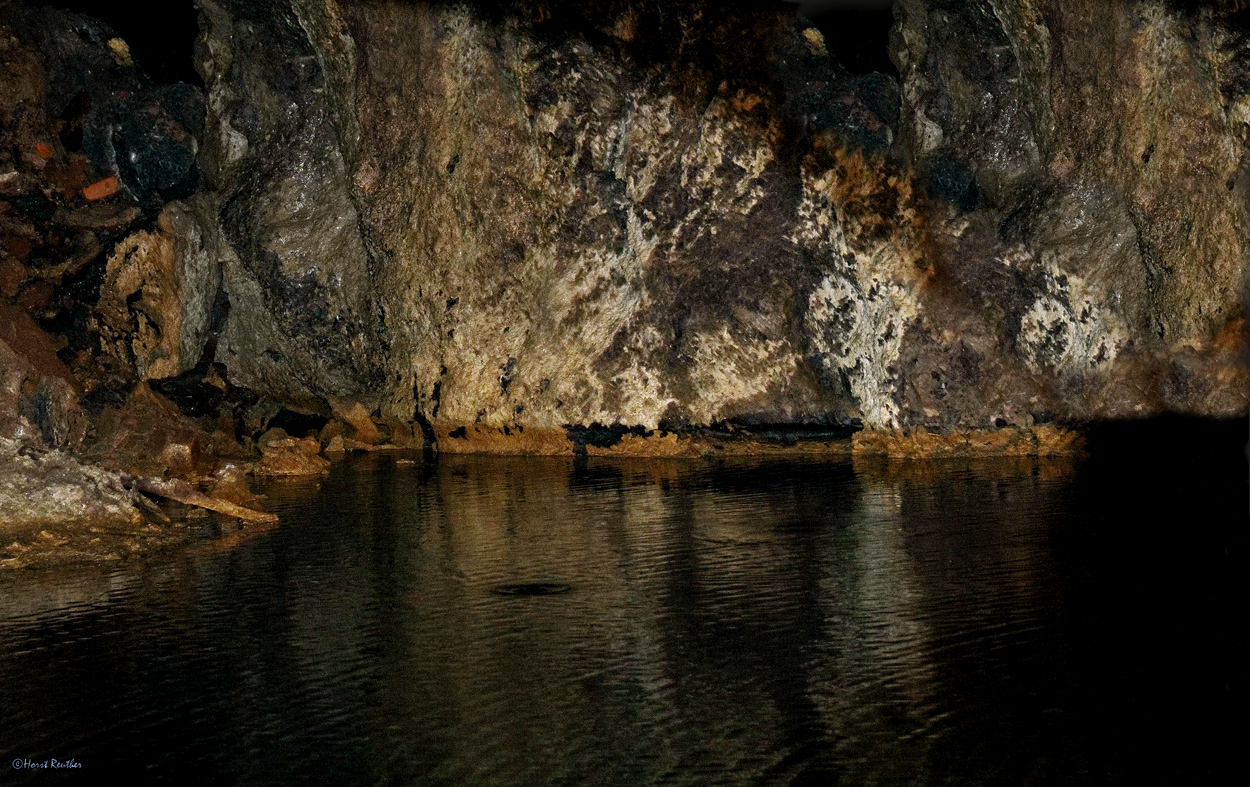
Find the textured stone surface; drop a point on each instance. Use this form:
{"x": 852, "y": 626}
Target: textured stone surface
{"x": 142, "y": 134}
{"x": 89, "y": 151}
{"x": 1083, "y": 162}
{"x": 38, "y": 401}
{"x": 40, "y": 488}
{"x": 562, "y": 228}
{"x": 149, "y": 436}
{"x": 157, "y": 296}
{"x": 282, "y": 455}
{"x": 494, "y": 221}
{"x": 511, "y": 220}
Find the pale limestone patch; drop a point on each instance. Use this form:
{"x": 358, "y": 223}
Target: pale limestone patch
{"x": 1069, "y": 328}
{"x": 858, "y": 333}
{"x": 729, "y": 369}
{"x": 857, "y": 316}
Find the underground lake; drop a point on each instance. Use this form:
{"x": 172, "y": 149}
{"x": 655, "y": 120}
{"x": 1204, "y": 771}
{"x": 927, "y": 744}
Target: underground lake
{"x": 540, "y": 393}
{"x": 530, "y": 621}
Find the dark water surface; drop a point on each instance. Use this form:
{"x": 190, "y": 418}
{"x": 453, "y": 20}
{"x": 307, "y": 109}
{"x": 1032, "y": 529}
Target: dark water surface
{"x": 535, "y": 622}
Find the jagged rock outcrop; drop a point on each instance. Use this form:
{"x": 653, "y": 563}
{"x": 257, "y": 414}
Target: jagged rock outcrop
{"x": 99, "y": 286}
{"x": 505, "y": 220}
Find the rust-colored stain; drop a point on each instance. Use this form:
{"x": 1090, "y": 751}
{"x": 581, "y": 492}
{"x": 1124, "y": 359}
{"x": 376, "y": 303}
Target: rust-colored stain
{"x": 28, "y": 340}
{"x": 43, "y": 149}
{"x": 102, "y": 188}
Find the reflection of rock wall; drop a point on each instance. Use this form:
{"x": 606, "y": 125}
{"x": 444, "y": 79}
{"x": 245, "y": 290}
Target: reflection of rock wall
{"x": 940, "y": 565}
{"x": 516, "y": 220}
{"x": 681, "y": 599}
{"x": 724, "y": 620}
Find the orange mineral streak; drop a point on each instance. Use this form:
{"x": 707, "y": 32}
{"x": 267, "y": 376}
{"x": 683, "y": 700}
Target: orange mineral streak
{"x": 102, "y": 188}
{"x": 43, "y": 149}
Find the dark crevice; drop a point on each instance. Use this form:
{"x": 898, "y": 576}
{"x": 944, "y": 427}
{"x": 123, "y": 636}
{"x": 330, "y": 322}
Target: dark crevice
{"x": 160, "y": 33}
{"x": 857, "y": 34}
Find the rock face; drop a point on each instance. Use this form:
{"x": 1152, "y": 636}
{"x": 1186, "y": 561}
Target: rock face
{"x": 1091, "y": 156}
{"x": 565, "y": 228}
{"x": 501, "y": 220}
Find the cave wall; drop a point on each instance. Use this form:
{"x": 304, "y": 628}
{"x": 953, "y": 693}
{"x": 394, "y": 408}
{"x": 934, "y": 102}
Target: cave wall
{"x": 533, "y": 216}
{"x": 1099, "y": 150}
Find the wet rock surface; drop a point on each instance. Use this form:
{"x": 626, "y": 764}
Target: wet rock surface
{"x": 282, "y": 454}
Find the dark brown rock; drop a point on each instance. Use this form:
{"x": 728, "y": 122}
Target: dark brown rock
{"x": 99, "y": 216}
{"x": 38, "y": 393}
{"x": 283, "y": 455}
{"x": 1106, "y": 242}
{"x": 12, "y": 276}
{"x": 520, "y": 229}
{"x": 563, "y": 265}
{"x": 149, "y": 436}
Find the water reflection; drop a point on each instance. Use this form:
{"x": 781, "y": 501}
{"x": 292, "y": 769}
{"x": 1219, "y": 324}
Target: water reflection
{"x": 781, "y": 623}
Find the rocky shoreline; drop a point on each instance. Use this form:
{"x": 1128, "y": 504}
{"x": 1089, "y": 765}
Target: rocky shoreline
{"x": 652, "y": 230}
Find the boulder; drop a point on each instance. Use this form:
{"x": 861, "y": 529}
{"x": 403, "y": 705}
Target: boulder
{"x": 51, "y": 488}
{"x": 283, "y": 455}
